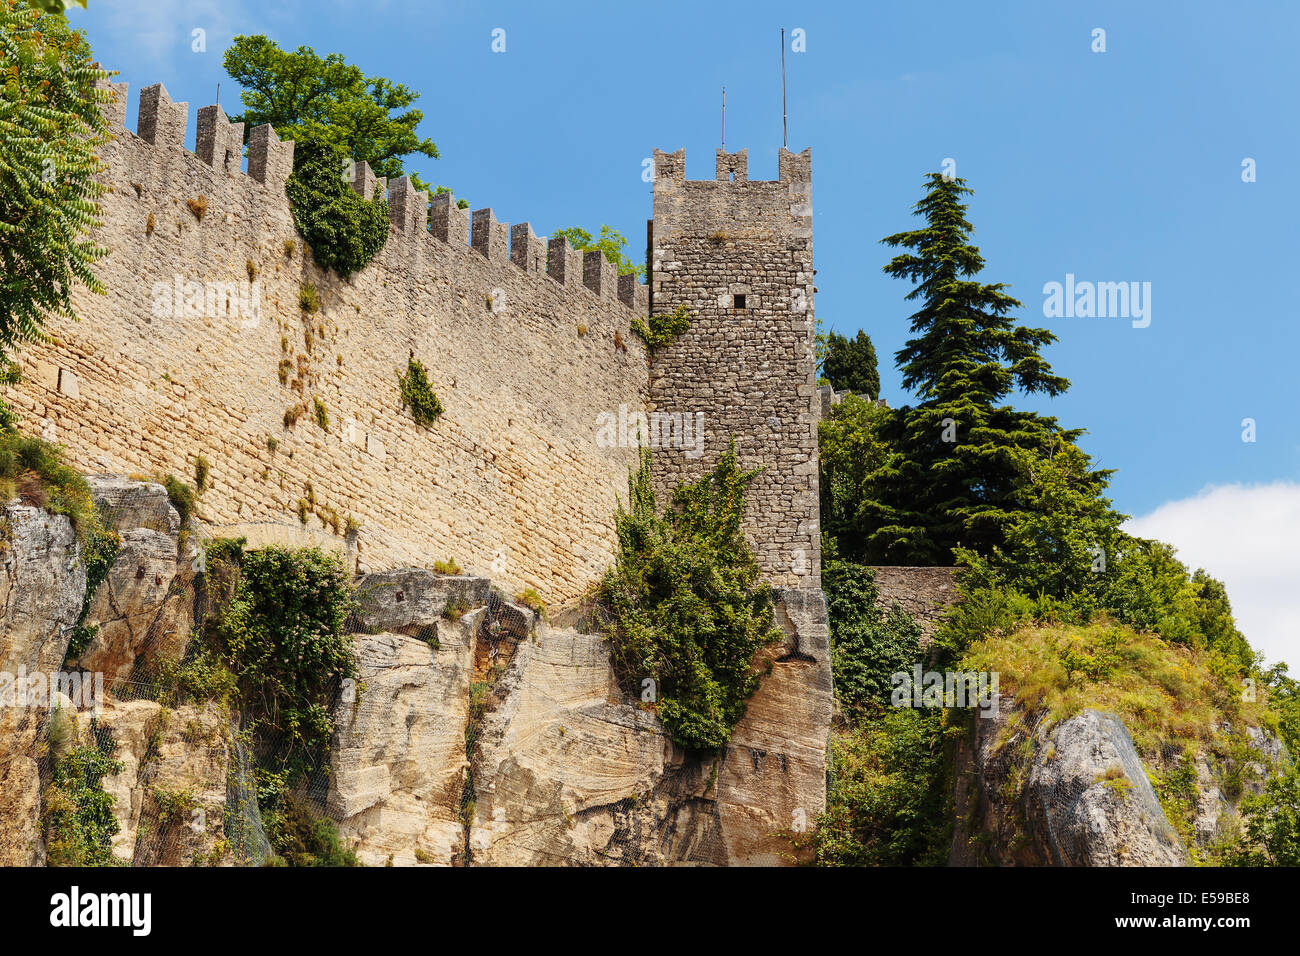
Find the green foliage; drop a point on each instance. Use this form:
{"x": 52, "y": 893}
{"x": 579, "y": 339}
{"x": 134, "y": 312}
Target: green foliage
{"x": 329, "y": 101}
{"x": 33, "y": 470}
{"x": 868, "y": 646}
{"x": 182, "y": 496}
{"x": 955, "y": 468}
{"x": 850, "y": 364}
{"x": 684, "y": 605}
{"x": 50, "y": 129}
{"x": 611, "y": 243}
{"x": 446, "y": 567}
{"x": 79, "y": 820}
{"x": 99, "y": 552}
{"x": 344, "y": 230}
{"x": 532, "y": 600}
{"x": 853, "y": 453}
{"x": 308, "y": 298}
{"x": 889, "y": 794}
{"x": 662, "y": 329}
{"x": 301, "y": 838}
{"x": 1272, "y": 822}
{"x": 321, "y": 414}
{"x": 417, "y": 395}
{"x": 283, "y": 639}
{"x": 1142, "y": 585}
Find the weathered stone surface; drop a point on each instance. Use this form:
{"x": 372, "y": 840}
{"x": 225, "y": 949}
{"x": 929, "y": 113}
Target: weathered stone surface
{"x": 1083, "y": 798}
{"x": 128, "y": 605}
{"x": 182, "y": 789}
{"x": 500, "y": 484}
{"x": 407, "y": 600}
{"x": 773, "y": 779}
{"x": 924, "y": 593}
{"x": 1089, "y": 798}
{"x": 568, "y": 771}
{"x": 399, "y": 751}
{"x": 564, "y": 773}
{"x": 737, "y": 254}
{"x": 131, "y": 724}
{"x": 128, "y": 503}
{"x": 42, "y": 582}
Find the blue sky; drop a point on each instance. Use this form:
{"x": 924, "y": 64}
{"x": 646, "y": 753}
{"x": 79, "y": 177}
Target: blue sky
{"x": 1117, "y": 166}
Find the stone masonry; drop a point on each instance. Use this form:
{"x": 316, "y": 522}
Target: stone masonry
{"x": 737, "y": 253}
{"x": 525, "y": 344}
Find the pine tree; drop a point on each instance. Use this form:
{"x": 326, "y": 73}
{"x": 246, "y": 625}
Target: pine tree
{"x": 954, "y": 479}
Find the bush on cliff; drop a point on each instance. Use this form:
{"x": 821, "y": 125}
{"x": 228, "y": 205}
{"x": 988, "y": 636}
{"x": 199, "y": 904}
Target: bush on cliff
{"x": 889, "y": 793}
{"x": 79, "y": 819}
{"x": 683, "y": 604}
{"x": 283, "y": 639}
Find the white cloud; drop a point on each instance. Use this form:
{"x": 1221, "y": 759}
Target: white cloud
{"x": 1249, "y": 538}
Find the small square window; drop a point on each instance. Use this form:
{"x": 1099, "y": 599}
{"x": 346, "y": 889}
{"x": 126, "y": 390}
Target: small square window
{"x": 738, "y": 301}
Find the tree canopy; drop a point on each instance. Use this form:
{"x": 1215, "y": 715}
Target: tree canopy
{"x": 50, "y": 128}
{"x": 611, "y": 242}
{"x": 850, "y": 364}
{"x": 309, "y": 97}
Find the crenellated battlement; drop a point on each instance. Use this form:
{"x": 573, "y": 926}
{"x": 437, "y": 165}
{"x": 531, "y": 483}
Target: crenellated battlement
{"x": 161, "y": 123}
{"x": 219, "y": 337}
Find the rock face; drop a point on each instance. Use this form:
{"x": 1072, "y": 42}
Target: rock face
{"x": 399, "y": 751}
{"x": 181, "y": 789}
{"x": 131, "y": 724}
{"x": 1076, "y": 794}
{"x": 42, "y": 582}
{"x": 143, "y": 609}
{"x": 1090, "y": 798}
{"x": 569, "y": 772}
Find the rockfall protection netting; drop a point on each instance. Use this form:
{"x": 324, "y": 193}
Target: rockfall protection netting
{"x": 194, "y": 774}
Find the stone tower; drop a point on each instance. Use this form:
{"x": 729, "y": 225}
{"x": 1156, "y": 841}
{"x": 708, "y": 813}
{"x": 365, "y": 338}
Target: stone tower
{"x": 737, "y": 253}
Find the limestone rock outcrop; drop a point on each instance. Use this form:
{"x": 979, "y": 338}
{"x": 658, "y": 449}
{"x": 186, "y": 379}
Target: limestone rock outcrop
{"x": 144, "y": 607}
{"x": 568, "y": 771}
{"x": 398, "y": 758}
{"x": 42, "y": 582}
{"x": 1077, "y": 793}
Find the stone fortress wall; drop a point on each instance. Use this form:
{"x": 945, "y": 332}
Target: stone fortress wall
{"x": 528, "y": 345}
{"x": 525, "y": 342}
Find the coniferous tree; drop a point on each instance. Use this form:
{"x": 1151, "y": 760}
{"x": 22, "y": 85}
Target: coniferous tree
{"x": 955, "y": 476}
{"x": 850, "y": 364}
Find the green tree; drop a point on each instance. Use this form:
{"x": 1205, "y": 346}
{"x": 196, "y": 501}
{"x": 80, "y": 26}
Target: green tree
{"x": 50, "y": 128}
{"x": 850, "y": 364}
{"x": 309, "y": 97}
{"x": 956, "y": 482}
{"x": 683, "y": 604}
{"x": 611, "y": 242}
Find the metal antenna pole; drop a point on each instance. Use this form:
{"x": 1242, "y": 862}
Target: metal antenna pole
{"x": 724, "y": 117}
{"x": 783, "y": 122}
